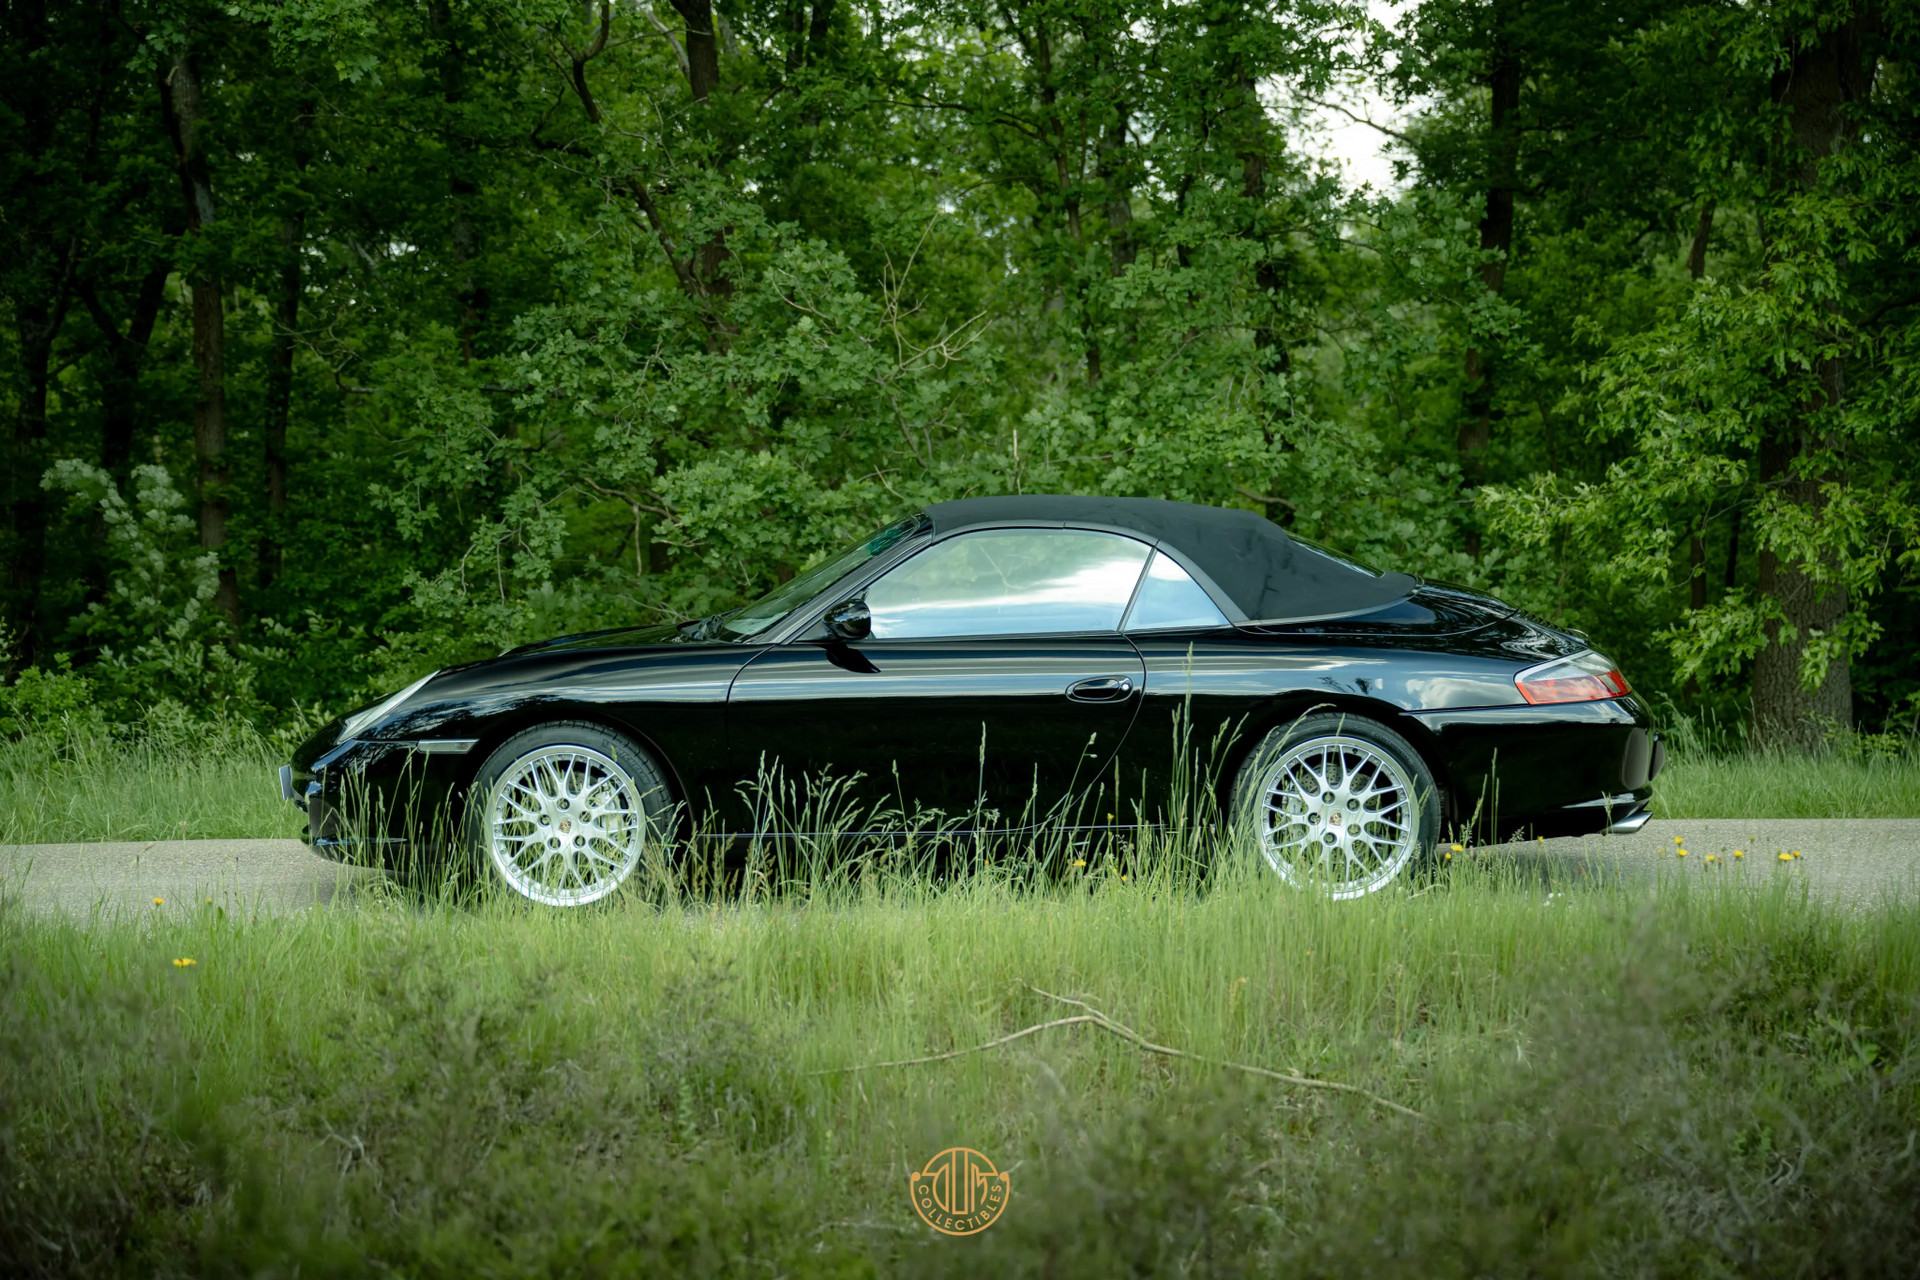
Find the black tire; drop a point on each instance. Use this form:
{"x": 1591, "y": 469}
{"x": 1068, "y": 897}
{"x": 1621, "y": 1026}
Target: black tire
{"x": 579, "y": 794}
{"x": 1380, "y": 832}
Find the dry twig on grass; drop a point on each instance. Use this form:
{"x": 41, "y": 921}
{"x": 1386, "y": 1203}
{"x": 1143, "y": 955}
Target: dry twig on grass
{"x": 1095, "y": 1018}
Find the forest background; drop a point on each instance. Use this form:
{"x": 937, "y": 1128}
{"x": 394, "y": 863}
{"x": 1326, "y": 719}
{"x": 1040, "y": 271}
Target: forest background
{"x": 345, "y": 340}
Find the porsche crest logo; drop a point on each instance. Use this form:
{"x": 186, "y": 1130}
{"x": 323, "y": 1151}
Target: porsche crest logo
{"x": 959, "y": 1192}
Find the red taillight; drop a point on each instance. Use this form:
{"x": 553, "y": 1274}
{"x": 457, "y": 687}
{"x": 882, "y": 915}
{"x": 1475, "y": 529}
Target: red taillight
{"x": 1585, "y": 677}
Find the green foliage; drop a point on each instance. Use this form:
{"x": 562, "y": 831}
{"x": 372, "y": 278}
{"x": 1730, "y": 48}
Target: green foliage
{"x": 540, "y": 317}
{"x": 155, "y": 636}
{"x": 44, "y": 702}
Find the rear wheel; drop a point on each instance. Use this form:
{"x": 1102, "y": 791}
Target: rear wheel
{"x": 1339, "y": 802}
{"x": 564, "y": 813}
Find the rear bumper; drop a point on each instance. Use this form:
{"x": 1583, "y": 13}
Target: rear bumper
{"x": 1566, "y": 769}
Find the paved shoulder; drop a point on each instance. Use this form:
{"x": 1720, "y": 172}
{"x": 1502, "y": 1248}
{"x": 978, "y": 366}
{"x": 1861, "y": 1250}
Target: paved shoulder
{"x": 124, "y": 878}
{"x": 1857, "y": 859}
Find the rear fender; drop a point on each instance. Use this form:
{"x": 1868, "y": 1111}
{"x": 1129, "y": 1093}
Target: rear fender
{"x": 1289, "y": 708}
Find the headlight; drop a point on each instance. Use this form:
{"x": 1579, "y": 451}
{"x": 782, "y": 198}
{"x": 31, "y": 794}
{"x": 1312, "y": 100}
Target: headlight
{"x": 360, "y": 721}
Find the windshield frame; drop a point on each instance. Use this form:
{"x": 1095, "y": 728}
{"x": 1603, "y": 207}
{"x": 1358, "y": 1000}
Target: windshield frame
{"x": 810, "y": 586}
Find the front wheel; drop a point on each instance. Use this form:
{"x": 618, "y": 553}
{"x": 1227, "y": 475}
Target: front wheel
{"x": 1339, "y": 802}
{"x": 563, "y": 813}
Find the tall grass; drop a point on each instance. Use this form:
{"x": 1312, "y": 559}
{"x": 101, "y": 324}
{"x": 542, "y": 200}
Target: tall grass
{"x": 1717, "y": 772}
{"x": 1698, "y": 1081}
{"x": 222, "y": 782}
{"x": 1777, "y": 784}
{"x": 56, "y": 787}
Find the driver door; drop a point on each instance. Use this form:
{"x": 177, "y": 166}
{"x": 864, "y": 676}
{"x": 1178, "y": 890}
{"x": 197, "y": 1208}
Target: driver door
{"x": 995, "y": 687}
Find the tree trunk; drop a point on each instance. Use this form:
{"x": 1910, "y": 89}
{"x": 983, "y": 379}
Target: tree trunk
{"x": 702, "y": 43}
{"x": 1815, "y": 89}
{"x": 702, "y": 46}
{"x": 1733, "y": 549}
{"x": 1496, "y": 237}
{"x": 475, "y": 301}
{"x": 280, "y": 397}
{"x": 280, "y": 366}
{"x": 1785, "y": 711}
{"x": 183, "y": 109}
{"x": 1119, "y": 192}
{"x": 1697, "y": 543}
{"x": 38, "y": 261}
{"x": 1697, "y": 581}
{"x": 817, "y": 31}
{"x": 1702, "y": 234}
{"x": 36, "y": 325}
{"x": 126, "y": 356}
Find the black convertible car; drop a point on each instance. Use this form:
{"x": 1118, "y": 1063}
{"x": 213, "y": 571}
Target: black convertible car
{"x": 1005, "y": 661}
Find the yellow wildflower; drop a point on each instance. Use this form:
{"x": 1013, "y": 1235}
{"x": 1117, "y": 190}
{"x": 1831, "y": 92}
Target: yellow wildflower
{"x": 1459, "y": 848}
{"x": 183, "y": 962}
{"x": 1711, "y": 858}
{"x": 1079, "y": 862}
{"x": 1681, "y": 852}
{"x": 1739, "y": 853}
{"x": 1676, "y": 839}
{"x": 1786, "y": 857}
{"x": 1796, "y": 853}
{"x": 159, "y": 902}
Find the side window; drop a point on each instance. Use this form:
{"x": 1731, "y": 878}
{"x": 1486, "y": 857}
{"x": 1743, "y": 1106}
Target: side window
{"x": 1169, "y": 597}
{"x": 1009, "y": 582}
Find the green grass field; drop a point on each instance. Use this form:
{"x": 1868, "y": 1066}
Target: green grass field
{"x": 1700, "y": 1080}
{"x": 1693, "y": 1082}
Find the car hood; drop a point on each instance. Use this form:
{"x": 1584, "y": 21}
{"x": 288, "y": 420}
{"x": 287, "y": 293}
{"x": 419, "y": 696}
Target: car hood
{"x": 613, "y": 638}
{"x": 622, "y": 666}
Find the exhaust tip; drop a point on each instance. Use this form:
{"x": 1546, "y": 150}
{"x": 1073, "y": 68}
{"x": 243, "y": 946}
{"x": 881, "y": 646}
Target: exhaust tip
{"x": 1632, "y": 822}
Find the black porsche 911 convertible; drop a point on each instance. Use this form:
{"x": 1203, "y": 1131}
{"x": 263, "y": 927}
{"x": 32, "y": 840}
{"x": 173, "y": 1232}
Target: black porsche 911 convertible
{"x": 1006, "y": 661}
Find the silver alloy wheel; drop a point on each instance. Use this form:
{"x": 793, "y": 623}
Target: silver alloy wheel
{"x": 1338, "y": 812}
{"x": 565, "y": 825}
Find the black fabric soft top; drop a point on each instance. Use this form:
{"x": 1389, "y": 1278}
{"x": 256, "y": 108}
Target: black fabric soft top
{"x": 1268, "y": 575}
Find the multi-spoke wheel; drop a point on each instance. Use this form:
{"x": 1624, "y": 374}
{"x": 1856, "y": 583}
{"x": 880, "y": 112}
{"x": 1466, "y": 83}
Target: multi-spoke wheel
{"x": 564, "y": 813}
{"x": 1339, "y": 802}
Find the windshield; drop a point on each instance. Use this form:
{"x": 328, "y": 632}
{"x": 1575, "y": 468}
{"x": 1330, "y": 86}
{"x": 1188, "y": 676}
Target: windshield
{"x": 769, "y": 609}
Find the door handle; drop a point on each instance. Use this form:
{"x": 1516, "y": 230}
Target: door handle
{"x": 1101, "y": 689}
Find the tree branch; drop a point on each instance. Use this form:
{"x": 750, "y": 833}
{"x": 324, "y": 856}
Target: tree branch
{"x": 1095, "y": 1018}
{"x": 679, "y": 54}
{"x": 1359, "y": 119}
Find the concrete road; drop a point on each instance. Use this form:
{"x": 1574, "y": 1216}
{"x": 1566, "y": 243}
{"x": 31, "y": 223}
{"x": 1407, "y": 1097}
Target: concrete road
{"x": 1856, "y": 860}
{"x": 1852, "y": 859}
{"x": 257, "y": 876}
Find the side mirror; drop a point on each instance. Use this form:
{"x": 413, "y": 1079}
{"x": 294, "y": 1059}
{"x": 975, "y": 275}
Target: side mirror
{"x": 850, "y": 620}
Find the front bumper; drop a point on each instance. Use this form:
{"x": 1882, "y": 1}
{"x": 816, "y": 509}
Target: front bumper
{"x": 366, "y": 799}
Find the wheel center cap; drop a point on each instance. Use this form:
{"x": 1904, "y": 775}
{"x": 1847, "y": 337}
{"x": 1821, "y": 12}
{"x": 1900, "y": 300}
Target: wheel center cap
{"x": 1333, "y": 820}
{"x": 565, "y": 825}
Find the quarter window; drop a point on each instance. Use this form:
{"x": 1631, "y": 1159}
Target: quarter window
{"x": 1169, "y": 597}
{"x": 1009, "y": 582}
